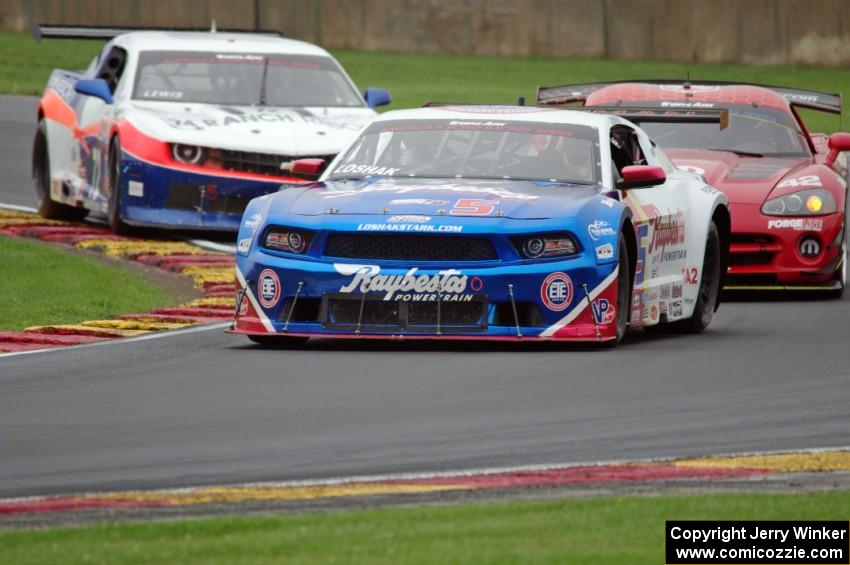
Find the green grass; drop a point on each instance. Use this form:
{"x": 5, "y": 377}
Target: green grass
{"x": 598, "y": 530}
{"x": 40, "y": 284}
{"x": 415, "y": 79}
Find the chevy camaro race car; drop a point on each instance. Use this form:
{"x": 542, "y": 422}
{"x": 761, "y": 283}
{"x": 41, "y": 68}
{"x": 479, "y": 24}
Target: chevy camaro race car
{"x": 787, "y": 188}
{"x": 485, "y": 222}
{"x": 182, "y": 129}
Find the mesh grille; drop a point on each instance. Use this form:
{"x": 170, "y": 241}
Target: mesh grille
{"x": 261, "y": 163}
{"x": 410, "y": 247}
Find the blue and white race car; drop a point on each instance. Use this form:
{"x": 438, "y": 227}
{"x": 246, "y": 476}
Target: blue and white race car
{"x": 182, "y": 129}
{"x": 485, "y": 222}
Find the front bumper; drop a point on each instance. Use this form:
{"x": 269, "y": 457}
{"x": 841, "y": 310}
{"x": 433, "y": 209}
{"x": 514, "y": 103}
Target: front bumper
{"x": 571, "y": 299}
{"x": 159, "y": 196}
{"x": 765, "y": 251}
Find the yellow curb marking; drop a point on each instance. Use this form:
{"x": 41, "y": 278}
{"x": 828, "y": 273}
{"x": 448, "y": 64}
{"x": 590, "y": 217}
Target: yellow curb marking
{"x": 201, "y": 279}
{"x": 204, "y": 269}
{"x": 81, "y": 329}
{"x": 813, "y": 462}
{"x": 35, "y": 221}
{"x": 219, "y": 495}
{"x": 135, "y": 325}
{"x": 228, "y": 301}
{"x": 130, "y": 248}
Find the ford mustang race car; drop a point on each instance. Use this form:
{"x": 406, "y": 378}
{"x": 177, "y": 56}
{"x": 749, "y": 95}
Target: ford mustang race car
{"x": 787, "y": 187}
{"x": 182, "y": 129}
{"x": 485, "y": 222}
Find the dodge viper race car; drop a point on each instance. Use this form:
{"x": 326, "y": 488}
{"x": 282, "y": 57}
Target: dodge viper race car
{"x": 787, "y": 188}
{"x": 485, "y": 222}
{"x": 182, "y": 129}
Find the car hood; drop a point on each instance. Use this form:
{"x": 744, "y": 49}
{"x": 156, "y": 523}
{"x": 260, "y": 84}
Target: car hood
{"x": 285, "y": 131}
{"x": 744, "y": 179}
{"x": 439, "y": 197}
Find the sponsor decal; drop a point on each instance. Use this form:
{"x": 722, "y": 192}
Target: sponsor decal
{"x": 167, "y": 94}
{"x": 637, "y": 306}
{"x": 691, "y": 88}
{"x": 676, "y": 309}
{"x": 691, "y": 275}
{"x": 243, "y": 304}
{"x": 665, "y": 291}
{"x": 236, "y": 116}
{"x": 676, "y": 291}
{"x": 687, "y": 105}
{"x": 135, "y": 188}
{"x": 410, "y": 227}
{"x": 807, "y": 180}
{"x": 708, "y": 189}
{"x": 268, "y": 288}
{"x": 605, "y": 251}
{"x": 797, "y": 224}
{"x": 367, "y": 170}
{"x": 668, "y": 231}
{"x": 603, "y": 311}
{"x": 418, "y": 202}
{"x": 653, "y": 313}
{"x": 607, "y": 202}
{"x": 409, "y": 219}
{"x": 556, "y": 292}
{"x": 244, "y": 245}
{"x": 600, "y": 228}
{"x": 448, "y": 285}
{"x": 253, "y": 222}
{"x": 493, "y": 109}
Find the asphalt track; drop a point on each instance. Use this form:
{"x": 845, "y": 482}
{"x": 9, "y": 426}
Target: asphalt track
{"x": 205, "y": 407}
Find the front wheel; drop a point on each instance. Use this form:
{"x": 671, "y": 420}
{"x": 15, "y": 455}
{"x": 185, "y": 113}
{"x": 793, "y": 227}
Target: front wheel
{"x": 709, "y": 288}
{"x": 113, "y": 183}
{"x": 624, "y": 289}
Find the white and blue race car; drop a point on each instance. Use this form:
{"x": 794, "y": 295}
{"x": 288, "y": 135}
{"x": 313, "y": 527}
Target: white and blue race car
{"x": 485, "y": 222}
{"x": 182, "y": 129}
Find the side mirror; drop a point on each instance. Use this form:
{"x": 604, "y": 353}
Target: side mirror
{"x": 310, "y": 169}
{"x": 838, "y": 142}
{"x": 375, "y": 97}
{"x": 96, "y": 87}
{"x": 640, "y": 176}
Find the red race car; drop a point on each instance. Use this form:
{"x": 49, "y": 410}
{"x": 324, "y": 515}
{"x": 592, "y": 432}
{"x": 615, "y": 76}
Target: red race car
{"x": 787, "y": 187}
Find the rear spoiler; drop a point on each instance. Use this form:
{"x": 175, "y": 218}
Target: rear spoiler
{"x": 575, "y": 93}
{"x": 642, "y": 114}
{"x": 51, "y": 31}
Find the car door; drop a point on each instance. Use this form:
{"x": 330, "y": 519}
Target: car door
{"x": 94, "y": 127}
{"x": 658, "y": 216}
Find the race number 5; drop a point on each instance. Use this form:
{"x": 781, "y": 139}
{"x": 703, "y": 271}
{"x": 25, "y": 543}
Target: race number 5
{"x": 473, "y": 207}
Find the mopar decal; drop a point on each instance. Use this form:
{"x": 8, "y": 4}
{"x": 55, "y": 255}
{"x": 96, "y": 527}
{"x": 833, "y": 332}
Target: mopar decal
{"x": 447, "y": 285}
{"x": 556, "y": 292}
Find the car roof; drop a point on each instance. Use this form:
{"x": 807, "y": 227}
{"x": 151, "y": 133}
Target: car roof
{"x": 215, "y": 41}
{"x": 505, "y": 113}
{"x": 694, "y": 95}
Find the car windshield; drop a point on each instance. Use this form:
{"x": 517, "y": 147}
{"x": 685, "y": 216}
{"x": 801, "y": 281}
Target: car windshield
{"x": 474, "y": 148}
{"x": 243, "y": 79}
{"x": 754, "y": 131}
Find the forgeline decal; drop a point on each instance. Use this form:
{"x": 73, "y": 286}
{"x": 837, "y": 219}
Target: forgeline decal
{"x": 600, "y": 228}
{"x": 268, "y": 288}
{"x": 556, "y": 292}
{"x": 605, "y": 251}
{"x": 491, "y": 189}
{"x": 418, "y": 201}
{"x": 448, "y": 285}
{"x": 797, "y": 224}
{"x": 603, "y": 311}
{"x": 430, "y": 228}
{"x": 367, "y": 170}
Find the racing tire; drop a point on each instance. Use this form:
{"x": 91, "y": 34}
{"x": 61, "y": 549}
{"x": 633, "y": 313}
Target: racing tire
{"x": 709, "y": 289}
{"x": 279, "y": 341}
{"x": 47, "y": 207}
{"x": 840, "y": 275}
{"x": 113, "y": 212}
{"x": 624, "y": 290}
